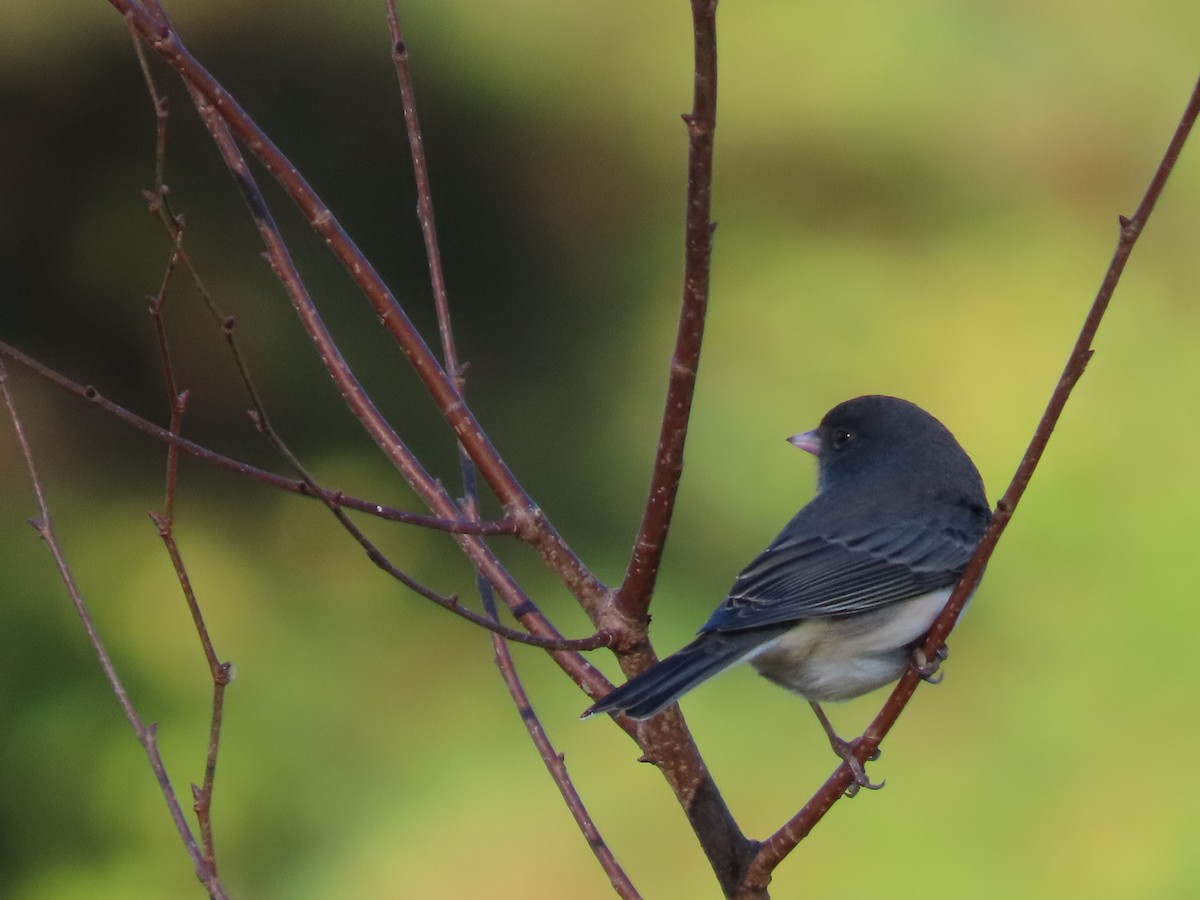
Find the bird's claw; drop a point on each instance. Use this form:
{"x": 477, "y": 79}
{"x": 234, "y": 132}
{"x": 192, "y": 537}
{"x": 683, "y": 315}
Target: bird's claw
{"x": 928, "y": 668}
{"x": 845, "y": 750}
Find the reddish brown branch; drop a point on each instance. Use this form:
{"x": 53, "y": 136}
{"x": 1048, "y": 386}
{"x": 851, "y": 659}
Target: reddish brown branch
{"x": 776, "y": 848}
{"x": 666, "y": 739}
{"x": 202, "y": 795}
{"x": 457, "y": 526}
{"x": 553, "y": 760}
{"x": 633, "y": 598}
{"x": 556, "y": 766}
{"x": 145, "y": 733}
{"x": 534, "y": 525}
{"x": 388, "y": 440}
{"x": 292, "y": 485}
{"x": 416, "y": 146}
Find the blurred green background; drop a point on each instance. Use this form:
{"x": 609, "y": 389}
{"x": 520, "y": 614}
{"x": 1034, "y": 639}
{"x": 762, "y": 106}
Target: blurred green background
{"x": 917, "y": 199}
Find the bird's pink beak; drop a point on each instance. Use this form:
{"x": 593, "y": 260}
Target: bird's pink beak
{"x": 808, "y": 441}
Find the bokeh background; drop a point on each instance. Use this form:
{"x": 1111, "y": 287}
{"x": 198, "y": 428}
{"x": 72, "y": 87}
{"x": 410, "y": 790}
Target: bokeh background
{"x": 915, "y": 198}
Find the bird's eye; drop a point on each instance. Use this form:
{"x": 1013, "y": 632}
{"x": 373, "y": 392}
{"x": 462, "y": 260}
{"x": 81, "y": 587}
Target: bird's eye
{"x": 841, "y": 437}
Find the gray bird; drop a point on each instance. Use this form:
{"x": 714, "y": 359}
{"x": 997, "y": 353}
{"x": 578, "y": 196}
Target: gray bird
{"x": 833, "y": 607}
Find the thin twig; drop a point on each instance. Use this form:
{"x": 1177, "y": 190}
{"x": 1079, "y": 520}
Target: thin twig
{"x": 554, "y": 761}
{"x": 146, "y": 734}
{"x": 379, "y": 558}
{"x": 420, "y": 166}
{"x": 786, "y": 838}
{"x": 202, "y": 795}
{"x": 160, "y": 118}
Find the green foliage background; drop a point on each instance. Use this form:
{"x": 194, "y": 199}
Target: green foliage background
{"x": 916, "y": 198}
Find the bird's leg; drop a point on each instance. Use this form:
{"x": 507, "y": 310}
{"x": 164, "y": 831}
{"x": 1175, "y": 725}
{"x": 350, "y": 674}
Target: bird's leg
{"x": 928, "y": 668}
{"x": 845, "y": 751}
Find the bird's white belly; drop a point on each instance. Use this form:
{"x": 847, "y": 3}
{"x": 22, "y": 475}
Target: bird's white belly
{"x": 839, "y": 658}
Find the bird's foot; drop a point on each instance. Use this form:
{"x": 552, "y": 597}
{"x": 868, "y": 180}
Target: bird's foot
{"x": 845, "y": 750}
{"x": 928, "y": 668}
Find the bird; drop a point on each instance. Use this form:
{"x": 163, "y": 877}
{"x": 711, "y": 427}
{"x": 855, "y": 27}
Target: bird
{"x": 834, "y": 607}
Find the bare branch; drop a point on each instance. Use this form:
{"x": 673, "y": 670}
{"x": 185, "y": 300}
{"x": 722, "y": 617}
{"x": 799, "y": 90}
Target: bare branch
{"x": 145, "y": 733}
{"x": 292, "y": 485}
{"x": 430, "y": 490}
{"x": 220, "y": 672}
{"x": 534, "y": 525}
{"x": 633, "y": 598}
{"x": 666, "y": 740}
{"x": 416, "y": 146}
{"x": 553, "y": 760}
{"x": 784, "y": 841}
{"x": 379, "y": 558}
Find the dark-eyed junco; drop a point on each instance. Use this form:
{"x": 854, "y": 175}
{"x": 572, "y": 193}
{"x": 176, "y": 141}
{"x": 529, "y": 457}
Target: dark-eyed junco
{"x": 832, "y": 608}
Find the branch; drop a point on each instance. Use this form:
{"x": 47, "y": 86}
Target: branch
{"x": 784, "y": 841}
{"x": 554, "y": 762}
{"x": 633, "y": 598}
{"x": 535, "y": 527}
{"x": 146, "y": 734}
{"x": 90, "y": 394}
{"x": 220, "y": 672}
{"x": 416, "y": 146}
{"x": 388, "y": 440}
{"x": 666, "y": 740}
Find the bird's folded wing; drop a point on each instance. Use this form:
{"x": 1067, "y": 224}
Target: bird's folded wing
{"x": 801, "y": 576}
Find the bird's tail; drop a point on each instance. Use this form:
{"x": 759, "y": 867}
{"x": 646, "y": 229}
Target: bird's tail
{"x": 664, "y": 683}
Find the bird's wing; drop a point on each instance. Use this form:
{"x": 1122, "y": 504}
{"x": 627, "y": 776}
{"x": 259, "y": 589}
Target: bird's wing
{"x": 803, "y": 575}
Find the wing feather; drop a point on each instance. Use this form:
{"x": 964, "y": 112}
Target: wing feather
{"x": 803, "y": 576}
